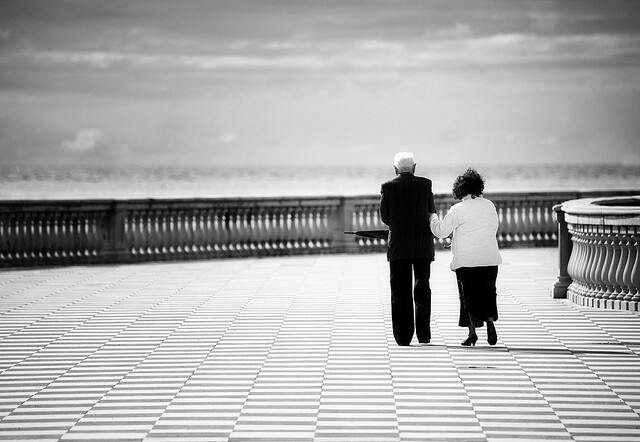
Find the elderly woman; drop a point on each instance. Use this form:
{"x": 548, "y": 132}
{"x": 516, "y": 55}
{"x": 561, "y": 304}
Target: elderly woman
{"x": 475, "y": 254}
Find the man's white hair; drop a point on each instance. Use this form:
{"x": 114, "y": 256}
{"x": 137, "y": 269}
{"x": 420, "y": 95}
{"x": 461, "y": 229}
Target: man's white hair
{"x": 403, "y": 161}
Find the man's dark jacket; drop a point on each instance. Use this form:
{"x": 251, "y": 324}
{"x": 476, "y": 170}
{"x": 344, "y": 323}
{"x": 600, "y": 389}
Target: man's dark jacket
{"x": 405, "y": 205}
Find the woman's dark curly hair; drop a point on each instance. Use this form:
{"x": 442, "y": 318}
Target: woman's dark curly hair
{"x": 469, "y": 183}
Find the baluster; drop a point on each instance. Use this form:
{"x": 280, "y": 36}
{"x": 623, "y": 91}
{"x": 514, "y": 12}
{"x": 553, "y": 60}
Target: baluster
{"x": 372, "y": 223}
{"x": 547, "y": 225}
{"x": 552, "y": 231}
{"x": 219, "y": 230}
{"x": 14, "y": 237}
{"x": 616, "y": 263}
{"x": 135, "y": 232}
{"x": 580, "y": 265}
{"x": 303, "y": 228}
{"x": 189, "y": 229}
{"x": 228, "y": 220}
{"x": 592, "y": 287}
{"x": 231, "y": 220}
{"x": 74, "y": 237}
{"x": 179, "y": 228}
{"x": 260, "y": 230}
{"x": 624, "y": 259}
{"x": 596, "y": 271}
{"x": 316, "y": 231}
{"x": 38, "y": 237}
{"x": 514, "y": 225}
{"x": 500, "y": 233}
{"x": 282, "y": 228}
{"x": 635, "y": 271}
{"x": 356, "y": 224}
{"x": 131, "y": 232}
{"x": 201, "y": 229}
{"x": 167, "y": 232}
{"x": 278, "y": 226}
{"x": 232, "y": 230}
{"x": 196, "y": 232}
{"x": 591, "y": 262}
{"x": 49, "y": 230}
{"x": 288, "y": 228}
{"x": 301, "y": 234}
{"x": 587, "y": 261}
{"x": 61, "y": 234}
{"x": 628, "y": 268}
{"x": 92, "y": 237}
{"x": 147, "y": 233}
{"x": 65, "y": 237}
{"x": 325, "y": 215}
{"x": 608, "y": 258}
{"x": 58, "y": 235}
{"x": 525, "y": 224}
{"x": 508, "y": 223}
{"x": 208, "y": 232}
{"x": 17, "y": 241}
{"x": 573, "y": 266}
{"x": 534, "y": 220}
{"x": 294, "y": 232}
{"x": 163, "y": 232}
{"x": 174, "y": 231}
{"x": 251, "y": 232}
{"x": 81, "y": 225}
{"x": 174, "y": 223}
{"x": 153, "y": 232}
{"x": 5, "y": 238}
{"x": 38, "y": 243}
{"x": 47, "y": 235}
{"x": 52, "y": 235}
{"x": 315, "y": 227}
{"x": 157, "y": 235}
{"x": 187, "y": 232}
{"x": 244, "y": 229}
{"x": 26, "y": 235}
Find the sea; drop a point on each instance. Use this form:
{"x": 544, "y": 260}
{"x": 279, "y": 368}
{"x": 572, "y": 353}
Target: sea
{"x": 58, "y": 182}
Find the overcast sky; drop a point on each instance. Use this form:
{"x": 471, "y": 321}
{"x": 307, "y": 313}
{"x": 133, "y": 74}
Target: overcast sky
{"x": 319, "y": 82}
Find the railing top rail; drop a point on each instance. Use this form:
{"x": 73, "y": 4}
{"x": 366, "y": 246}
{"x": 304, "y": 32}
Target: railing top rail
{"x": 623, "y": 210}
{"x": 28, "y": 205}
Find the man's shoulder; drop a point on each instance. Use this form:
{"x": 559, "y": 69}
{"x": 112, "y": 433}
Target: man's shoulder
{"x": 400, "y": 179}
{"x": 423, "y": 179}
{"x": 391, "y": 182}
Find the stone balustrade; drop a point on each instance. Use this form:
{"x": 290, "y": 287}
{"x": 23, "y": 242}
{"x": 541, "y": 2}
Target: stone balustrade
{"x": 108, "y": 231}
{"x": 600, "y": 252}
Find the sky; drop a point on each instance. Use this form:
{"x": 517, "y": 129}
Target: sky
{"x": 292, "y": 82}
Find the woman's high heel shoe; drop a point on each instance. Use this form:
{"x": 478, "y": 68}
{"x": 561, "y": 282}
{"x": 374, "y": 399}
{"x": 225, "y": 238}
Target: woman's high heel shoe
{"x": 471, "y": 340}
{"x": 492, "y": 336}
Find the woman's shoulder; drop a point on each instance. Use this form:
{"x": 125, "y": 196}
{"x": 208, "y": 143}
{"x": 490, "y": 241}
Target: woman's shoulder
{"x": 486, "y": 201}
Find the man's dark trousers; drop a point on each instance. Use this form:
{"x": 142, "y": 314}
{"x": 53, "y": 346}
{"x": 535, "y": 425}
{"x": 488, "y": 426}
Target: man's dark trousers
{"x": 402, "y": 309}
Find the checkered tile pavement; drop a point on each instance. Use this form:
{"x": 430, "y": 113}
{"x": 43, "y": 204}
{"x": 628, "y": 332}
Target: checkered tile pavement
{"x": 300, "y": 348}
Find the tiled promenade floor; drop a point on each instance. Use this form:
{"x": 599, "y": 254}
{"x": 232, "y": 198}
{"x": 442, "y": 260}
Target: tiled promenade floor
{"x": 300, "y": 348}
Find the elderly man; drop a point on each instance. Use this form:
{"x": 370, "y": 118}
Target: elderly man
{"x": 405, "y": 205}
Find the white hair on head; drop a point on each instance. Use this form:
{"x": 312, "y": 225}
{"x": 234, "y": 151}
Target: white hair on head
{"x": 403, "y": 161}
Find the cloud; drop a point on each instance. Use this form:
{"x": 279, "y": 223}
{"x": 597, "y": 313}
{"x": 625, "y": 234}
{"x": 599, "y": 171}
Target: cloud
{"x": 5, "y": 33}
{"x": 86, "y": 140}
{"x": 458, "y": 31}
{"x": 454, "y": 48}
